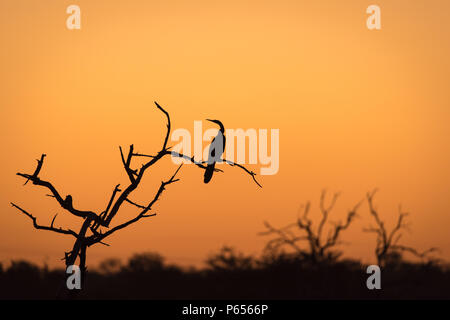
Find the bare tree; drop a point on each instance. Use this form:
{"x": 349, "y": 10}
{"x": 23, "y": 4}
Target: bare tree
{"x": 387, "y": 246}
{"x": 319, "y": 247}
{"x": 96, "y": 226}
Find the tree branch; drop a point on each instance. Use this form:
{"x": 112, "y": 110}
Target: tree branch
{"x": 168, "y": 126}
{"x": 51, "y": 228}
{"x": 38, "y": 168}
{"x": 126, "y": 163}
{"x": 96, "y": 238}
{"x": 65, "y": 203}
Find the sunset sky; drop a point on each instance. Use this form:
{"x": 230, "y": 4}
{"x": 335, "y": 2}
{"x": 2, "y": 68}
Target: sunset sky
{"x": 356, "y": 109}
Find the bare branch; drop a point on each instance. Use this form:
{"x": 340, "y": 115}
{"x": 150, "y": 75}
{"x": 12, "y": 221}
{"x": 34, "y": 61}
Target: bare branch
{"x": 126, "y": 164}
{"x": 142, "y": 214}
{"x": 325, "y": 211}
{"x": 168, "y": 126}
{"x": 192, "y": 160}
{"x": 143, "y": 155}
{"x": 65, "y": 203}
{"x": 135, "y": 204}
{"x": 105, "y": 213}
{"x": 334, "y": 235}
{"x": 251, "y": 173}
{"x": 418, "y": 254}
{"x": 53, "y": 220}
{"x": 51, "y": 228}
{"x": 201, "y": 164}
{"x": 38, "y": 168}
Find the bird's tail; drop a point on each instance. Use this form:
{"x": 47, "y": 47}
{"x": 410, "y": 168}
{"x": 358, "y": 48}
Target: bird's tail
{"x": 209, "y": 172}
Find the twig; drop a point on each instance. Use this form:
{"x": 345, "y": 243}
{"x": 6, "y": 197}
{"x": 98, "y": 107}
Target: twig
{"x": 51, "y": 228}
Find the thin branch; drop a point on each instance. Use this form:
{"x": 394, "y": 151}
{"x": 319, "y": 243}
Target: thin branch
{"x": 38, "y": 168}
{"x": 251, "y": 173}
{"x": 135, "y": 204}
{"x": 141, "y": 215}
{"x": 325, "y": 211}
{"x": 53, "y": 221}
{"x": 201, "y": 164}
{"x": 51, "y": 228}
{"x": 192, "y": 160}
{"x": 105, "y": 213}
{"x": 333, "y": 237}
{"x": 126, "y": 164}
{"x": 418, "y": 254}
{"x": 64, "y": 203}
{"x": 143, "y": 155}
{"x": 168, "y": 126}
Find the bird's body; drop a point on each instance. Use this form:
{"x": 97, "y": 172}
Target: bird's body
{"x": 216, "y": 150}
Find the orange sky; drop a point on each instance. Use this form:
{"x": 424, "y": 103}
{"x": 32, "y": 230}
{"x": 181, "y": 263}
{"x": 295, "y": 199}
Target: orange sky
{"x": 356, "y": 109}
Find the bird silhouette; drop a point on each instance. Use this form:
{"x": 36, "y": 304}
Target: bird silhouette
{"x": 215, "y": 151}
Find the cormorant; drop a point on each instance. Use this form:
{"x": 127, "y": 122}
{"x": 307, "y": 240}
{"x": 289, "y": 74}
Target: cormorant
{"x": 215, "y": 151}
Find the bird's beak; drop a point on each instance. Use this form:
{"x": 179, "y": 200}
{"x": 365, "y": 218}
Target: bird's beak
{"x": 209, "y": 120}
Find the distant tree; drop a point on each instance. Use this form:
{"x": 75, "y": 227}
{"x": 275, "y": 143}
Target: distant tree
{"x": 387, "y": 249}
{"x": 91, "y": 232}
{"x": 228, "y": 259}
{"x": 110, "y": 266}
{"x": 145, "y": 262}
{"x": 317, "y": 247}
{"x": 22, "y": 268}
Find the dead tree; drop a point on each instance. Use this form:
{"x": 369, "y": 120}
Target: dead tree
{"x": 97, "y": 226}
{"x": 318, "y": 247}
{"x": 387, "y": 247}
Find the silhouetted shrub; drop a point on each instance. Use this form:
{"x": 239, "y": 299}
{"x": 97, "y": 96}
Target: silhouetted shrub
{"x": 146, "y": 262}
{"x": 229, "y": 259}
{"x": 110, "y": 266}
{"x": 230, "y": 274}
{"x": 23, "y": 268}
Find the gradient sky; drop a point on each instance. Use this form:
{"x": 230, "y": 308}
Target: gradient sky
{"x": 356, "y": 109}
